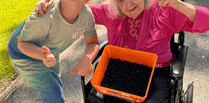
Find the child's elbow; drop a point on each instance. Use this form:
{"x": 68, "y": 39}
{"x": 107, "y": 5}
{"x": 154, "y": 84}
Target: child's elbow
{"x": 20, "y": 42}
{"x": 19, "y": 45}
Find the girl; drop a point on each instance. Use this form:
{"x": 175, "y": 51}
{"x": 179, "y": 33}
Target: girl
{"x": 148, "y": 25}
{"x": 35, "y": 45}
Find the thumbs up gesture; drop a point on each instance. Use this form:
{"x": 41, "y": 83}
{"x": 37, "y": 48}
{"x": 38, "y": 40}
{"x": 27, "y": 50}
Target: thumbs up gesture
{"x": 48, "y": 58}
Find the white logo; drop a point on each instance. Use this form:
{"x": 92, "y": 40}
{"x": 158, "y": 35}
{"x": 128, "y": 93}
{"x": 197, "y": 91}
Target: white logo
{"x": 78, "y": 33}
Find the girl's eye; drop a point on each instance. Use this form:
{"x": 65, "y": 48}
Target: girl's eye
{"x": 120, "y": 0}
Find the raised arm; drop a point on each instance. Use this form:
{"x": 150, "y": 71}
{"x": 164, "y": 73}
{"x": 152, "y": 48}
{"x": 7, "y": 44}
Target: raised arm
{"x": 84, "y": 66}
{"x": 32, "y": 50}
{"x": 187, "y": 9}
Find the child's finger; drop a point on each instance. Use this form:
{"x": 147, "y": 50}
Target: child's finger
{"x": 91, "y": 70}
{"x": 81, "y": 73}
{"x": 88, "y": 72}
{"x": 85, "y": 73}
{"x": 52, "y": 62}
{"x": 50, "y": 57}
{"x": 74, "y": 70}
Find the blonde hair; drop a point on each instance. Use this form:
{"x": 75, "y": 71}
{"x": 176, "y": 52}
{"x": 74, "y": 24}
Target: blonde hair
{"x": 116, "y": 12}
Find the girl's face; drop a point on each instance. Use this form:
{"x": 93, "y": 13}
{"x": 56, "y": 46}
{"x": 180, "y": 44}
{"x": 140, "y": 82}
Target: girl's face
{"x": 131, "y": 8}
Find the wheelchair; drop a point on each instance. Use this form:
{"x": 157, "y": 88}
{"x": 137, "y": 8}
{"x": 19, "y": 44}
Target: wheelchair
{"x": 177, "y": 95}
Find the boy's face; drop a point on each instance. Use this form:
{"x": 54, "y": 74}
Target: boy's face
{"x": 131, "y": 8}
{"x": 76, "y": 5}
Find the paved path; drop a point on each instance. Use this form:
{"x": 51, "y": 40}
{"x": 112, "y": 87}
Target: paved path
{"x": 197, "y": 68}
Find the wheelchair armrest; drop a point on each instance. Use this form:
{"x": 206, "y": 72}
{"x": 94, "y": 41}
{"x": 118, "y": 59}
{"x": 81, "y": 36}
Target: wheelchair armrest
{"x": 177, "y": 69}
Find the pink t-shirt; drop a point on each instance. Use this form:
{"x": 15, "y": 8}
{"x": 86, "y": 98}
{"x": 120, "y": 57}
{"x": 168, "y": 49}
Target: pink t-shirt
{"x": 156, "y": 27}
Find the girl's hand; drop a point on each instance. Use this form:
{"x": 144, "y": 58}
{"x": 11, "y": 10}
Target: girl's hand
{"x": 48, "y": 58}
{"x": 84, "y": 67}
{"x": 171, "y": 3}
{"x": 42, "y": 6}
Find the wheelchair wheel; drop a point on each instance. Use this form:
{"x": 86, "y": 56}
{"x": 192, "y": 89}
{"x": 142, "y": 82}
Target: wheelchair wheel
{"x": 189, "y": 97}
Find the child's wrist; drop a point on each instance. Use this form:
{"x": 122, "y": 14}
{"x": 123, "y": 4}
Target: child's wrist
{"x": 40, "y": 54}
{"x": 87, "y": 58}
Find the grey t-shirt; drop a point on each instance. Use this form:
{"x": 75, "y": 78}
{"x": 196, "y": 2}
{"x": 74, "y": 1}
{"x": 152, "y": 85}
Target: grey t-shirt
{"x": 52, "y": 31}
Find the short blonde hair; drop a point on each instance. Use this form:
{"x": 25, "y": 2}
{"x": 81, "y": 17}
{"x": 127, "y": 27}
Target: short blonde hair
{"x": 116, "y": 12}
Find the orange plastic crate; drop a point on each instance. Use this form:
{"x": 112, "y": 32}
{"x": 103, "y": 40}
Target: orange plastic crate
{"x": 134, "y": 56}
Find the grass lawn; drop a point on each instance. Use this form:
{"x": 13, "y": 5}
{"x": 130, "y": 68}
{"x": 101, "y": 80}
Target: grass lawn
{"x": 12, "y": 13}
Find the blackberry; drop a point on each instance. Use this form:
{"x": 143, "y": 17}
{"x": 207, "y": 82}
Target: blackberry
{"x": 128, "y": 77}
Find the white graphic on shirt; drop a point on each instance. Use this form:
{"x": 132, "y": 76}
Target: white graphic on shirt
{"x": 78, "y": 33}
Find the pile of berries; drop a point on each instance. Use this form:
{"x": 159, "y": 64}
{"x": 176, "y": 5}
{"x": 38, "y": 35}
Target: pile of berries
{"x": 128, "y": 77}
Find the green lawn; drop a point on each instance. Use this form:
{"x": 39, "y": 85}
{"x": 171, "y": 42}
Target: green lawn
{"x": 12, "y": 13}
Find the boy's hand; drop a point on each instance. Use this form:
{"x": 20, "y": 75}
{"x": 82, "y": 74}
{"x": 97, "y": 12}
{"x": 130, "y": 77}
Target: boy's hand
{"x": 48, "y": 58}
{"x": 42, "y": 6}
{"x": 84, "y": 67}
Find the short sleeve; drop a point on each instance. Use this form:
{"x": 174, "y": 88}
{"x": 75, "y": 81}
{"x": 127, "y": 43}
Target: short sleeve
{"x": 35, "y": 29}
{"x": 90, "y": 29}
{"x": 100, "y": 13}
